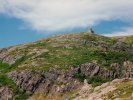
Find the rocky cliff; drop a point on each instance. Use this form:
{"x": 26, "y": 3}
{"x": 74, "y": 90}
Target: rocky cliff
{"x": 56, "y": 67}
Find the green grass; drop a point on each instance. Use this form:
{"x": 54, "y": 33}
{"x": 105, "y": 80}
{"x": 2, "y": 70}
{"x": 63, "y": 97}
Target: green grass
{"x": 77, "y": 54}
{"x": 95, "y": 38}
{"x": 4, "y": 67}
{"x": 129, "y": 40}
{"x": 123, "y": 90}
{"x": 19, "y": 93}
{"x": 5, "y": 81}
{"x": 19, "y": 62}
{"x": 126, "y": 87}
{"x": 94, "y": 80}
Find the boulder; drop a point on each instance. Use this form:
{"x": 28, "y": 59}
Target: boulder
{"x": 6, "y": 93}
{"x": 121, "y": 46}
{"x": 128, "y": 66}
{"x": 89, "y": 69}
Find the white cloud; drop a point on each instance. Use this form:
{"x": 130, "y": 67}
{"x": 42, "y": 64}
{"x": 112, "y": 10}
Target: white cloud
{"x": 57, "y": 15}
{"x": 124, "y": 32}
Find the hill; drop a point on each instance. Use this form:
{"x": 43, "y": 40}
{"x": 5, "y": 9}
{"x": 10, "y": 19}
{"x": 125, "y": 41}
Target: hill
{"x": 57, "y": 66}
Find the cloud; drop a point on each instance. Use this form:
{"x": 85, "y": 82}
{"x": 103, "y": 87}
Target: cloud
{"x": 57, "y": 15}
{"x": 126, "y": 31}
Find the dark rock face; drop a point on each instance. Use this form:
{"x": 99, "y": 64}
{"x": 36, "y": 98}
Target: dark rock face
{"x": 128, "y": 65}
{"x": 51, "y": 81}
{"x": 26, "y": 80}
{"x": 120, "y": 46}
{"x": 57, "y": 81}
{"x": 6, "y": 93}
{"x": 89, "y": 69}
{"x": 117, "y": 70}
{"x": 92, "y": 69}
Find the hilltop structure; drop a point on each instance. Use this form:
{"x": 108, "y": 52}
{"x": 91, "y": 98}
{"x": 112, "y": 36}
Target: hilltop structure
{"x": 91, "y": 31}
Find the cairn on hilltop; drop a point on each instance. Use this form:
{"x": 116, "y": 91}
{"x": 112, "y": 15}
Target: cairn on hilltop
{"x": 91, "y": 31}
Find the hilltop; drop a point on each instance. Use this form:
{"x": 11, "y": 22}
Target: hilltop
{"x": 58, "y": 66}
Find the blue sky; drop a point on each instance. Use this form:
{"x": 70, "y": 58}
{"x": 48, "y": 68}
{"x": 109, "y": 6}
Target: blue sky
{"x": 24, "y": 21}
{"x": 12, "y": 34}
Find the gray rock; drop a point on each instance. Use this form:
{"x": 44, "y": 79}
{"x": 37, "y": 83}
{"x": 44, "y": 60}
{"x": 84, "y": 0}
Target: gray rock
{"x": 92, "y": 69}
{"x": 96, "y": 70}
{"x": 6, "y": 93}
{"x": 121, "y": 46}
{"x": 3, "y": 53}
{"x": 26, "y": 80}
{"x": 89, "y": 69}
{"x": 128, "y": 66}
{"x": 44, "y": 82}
{"x": 11, "y": 59}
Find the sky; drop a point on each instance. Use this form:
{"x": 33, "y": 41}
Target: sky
{"x": 24, "y": 21}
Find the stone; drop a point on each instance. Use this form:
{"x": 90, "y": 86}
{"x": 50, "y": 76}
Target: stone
{"x": 128, "y": 66}
{"x": 121, "y": 46}
{"x": 11, "y": 59}
{"x": 44, "y": 82}
{"x": 89, "y": 69}
{"x": 6, "y": 93}
{"x": 26, "y": 80}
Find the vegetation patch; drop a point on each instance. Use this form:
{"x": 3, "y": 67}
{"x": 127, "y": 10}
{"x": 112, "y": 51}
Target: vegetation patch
{"x": 19, "y": 93}
{"x": 4, "y": 67}
{"x": 94, "y": 80}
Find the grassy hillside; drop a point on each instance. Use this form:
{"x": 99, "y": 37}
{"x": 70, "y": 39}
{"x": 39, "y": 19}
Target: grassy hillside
{"x": 63, "y": 52}
{"x": 69, "y": 49}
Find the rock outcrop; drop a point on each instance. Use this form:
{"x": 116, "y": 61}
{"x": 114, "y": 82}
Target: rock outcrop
{"x": 26, "y": 80}
{"x": 51, "y": 81}
{"x": 59, "y": 81}
{"x": 7, "y": 56}
{"x": 128, "y": 65}
{"x": 121, "y": 46}
{"x": 93, "y": 69}
{"x": 6, "y": 93}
